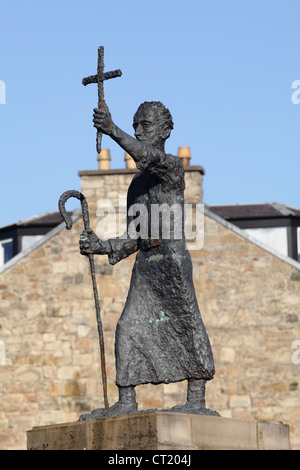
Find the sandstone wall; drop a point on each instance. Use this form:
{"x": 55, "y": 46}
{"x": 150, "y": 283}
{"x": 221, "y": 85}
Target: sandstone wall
{"x": 249, "y": 301}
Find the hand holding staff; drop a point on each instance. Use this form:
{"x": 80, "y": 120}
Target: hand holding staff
{"x": 68, "y": 221}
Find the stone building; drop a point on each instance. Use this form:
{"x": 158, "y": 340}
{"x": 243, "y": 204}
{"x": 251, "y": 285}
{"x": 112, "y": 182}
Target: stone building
{"x": 249, "y": 297}
{"x": 274, "y": 224}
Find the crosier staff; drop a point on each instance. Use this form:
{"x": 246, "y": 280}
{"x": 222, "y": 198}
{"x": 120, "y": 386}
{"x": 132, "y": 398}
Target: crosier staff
{"x": 99, "y": 79}
{"x": 68, "y": 221}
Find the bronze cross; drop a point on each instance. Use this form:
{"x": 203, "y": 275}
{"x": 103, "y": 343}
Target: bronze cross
{"x": 99, "y": 79}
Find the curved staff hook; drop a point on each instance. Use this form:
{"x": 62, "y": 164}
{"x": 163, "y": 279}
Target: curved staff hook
{"x": 68, "y": 221}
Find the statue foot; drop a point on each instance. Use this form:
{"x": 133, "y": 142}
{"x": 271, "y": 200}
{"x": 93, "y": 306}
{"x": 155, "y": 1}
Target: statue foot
{"x": 115, "y": 410}
{"x": 193, "y": 408}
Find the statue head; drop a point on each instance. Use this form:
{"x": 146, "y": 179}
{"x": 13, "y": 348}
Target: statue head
{"x": 153, "y": 123}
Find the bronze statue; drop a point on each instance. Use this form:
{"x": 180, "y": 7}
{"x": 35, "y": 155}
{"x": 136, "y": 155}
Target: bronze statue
{"x": 160, "y": 336}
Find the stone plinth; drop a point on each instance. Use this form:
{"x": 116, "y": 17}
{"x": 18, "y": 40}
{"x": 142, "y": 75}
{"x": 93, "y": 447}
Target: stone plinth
{"x": 161, "y": 430}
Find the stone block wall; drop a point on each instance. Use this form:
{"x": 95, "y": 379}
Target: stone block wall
{"x": 250, "y": 302}
{"x": 249, "y": 299}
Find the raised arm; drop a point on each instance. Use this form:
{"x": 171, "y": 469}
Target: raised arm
{"x": 152, "y": 125}
{"x": 138, "y": 149}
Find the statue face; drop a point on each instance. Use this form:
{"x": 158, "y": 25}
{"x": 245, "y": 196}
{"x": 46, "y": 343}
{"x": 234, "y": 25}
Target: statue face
{"x": 147, "y": 127}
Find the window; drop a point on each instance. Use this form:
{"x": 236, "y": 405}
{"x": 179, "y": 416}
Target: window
{"x": 6, "y": 251}
{"x": 275, "y": 237}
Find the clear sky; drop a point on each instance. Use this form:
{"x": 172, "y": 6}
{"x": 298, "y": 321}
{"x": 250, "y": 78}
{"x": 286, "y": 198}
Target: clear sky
{"x": 224, "y": 68}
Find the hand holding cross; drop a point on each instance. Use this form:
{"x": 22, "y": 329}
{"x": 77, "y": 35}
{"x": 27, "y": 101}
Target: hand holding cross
{"x": 99, "y": 79}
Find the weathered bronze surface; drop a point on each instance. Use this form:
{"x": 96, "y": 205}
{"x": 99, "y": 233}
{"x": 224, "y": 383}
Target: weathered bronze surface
{"x": 86, "y": 220}
{"x": 99, "y": 79}
{"x": 160, "y": 336}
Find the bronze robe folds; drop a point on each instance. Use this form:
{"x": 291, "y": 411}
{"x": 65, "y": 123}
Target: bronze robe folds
{"x": 160, "y": 336}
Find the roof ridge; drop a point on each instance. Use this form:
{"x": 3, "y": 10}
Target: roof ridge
{"x": 283, "y": 209}
{"x": 75, "y": 216}
{"x": 29, "y": 219}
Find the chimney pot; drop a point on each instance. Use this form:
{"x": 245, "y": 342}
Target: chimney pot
{"x": 184, "y": 153}
{"x": 104, "y": 159}
{"x": 130, "y": 163}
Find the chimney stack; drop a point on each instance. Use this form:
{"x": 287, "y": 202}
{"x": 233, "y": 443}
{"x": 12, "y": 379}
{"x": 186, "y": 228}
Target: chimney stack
{"x": 130, "y": 163}
{"x": 184, "y": 153}
{"x": 104, "y": 159}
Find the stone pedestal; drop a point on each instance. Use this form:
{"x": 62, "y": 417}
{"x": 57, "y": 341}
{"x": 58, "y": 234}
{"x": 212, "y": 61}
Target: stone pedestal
{"x": 161, "y": 430}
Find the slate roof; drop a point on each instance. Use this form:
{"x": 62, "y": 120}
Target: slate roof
{"x": 254, "y": 211}
{"x": 47, "y": 219}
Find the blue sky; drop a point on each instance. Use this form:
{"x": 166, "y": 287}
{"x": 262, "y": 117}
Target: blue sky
{"x": 224, "y": 68}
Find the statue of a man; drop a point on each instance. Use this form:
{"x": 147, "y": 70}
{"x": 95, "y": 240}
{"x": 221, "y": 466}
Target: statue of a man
{"x": 160, "y": 336}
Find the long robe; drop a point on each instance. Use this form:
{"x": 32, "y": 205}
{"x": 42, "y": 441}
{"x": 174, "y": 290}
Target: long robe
{"x": 160, "y": 336}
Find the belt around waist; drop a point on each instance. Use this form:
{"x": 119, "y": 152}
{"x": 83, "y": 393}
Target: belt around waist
{"x": 145, "y": 245}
